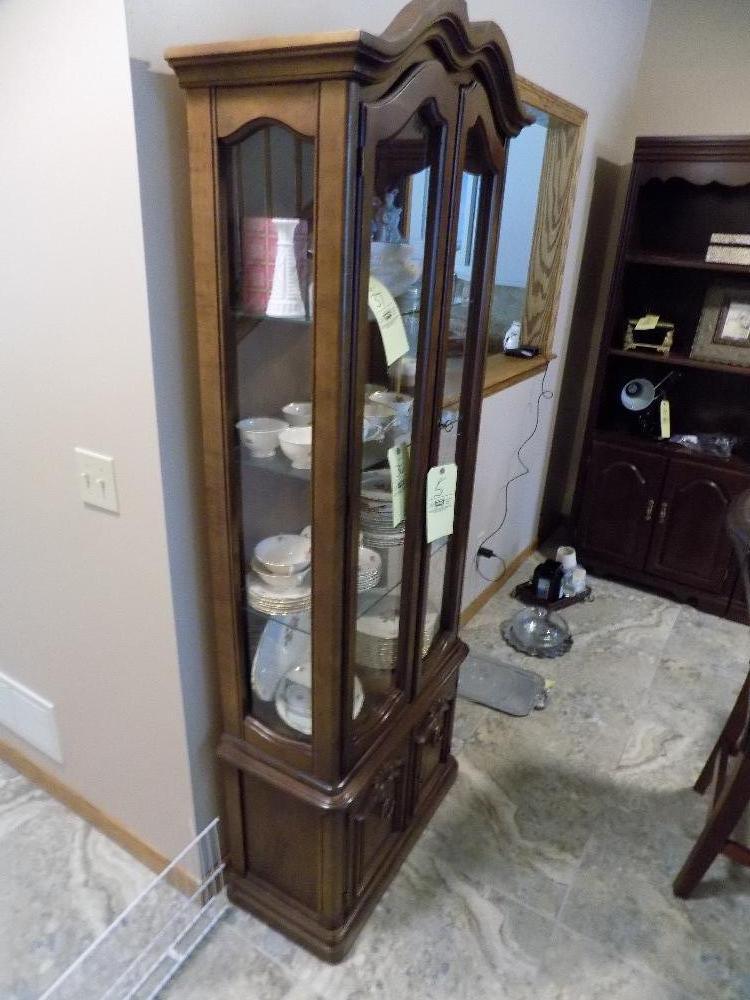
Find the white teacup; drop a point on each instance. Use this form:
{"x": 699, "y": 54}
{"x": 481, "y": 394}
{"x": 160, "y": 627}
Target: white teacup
{"x": 296, "y": 443}
{"x": 261, "y": 434}
{"x": 298, "y": 414}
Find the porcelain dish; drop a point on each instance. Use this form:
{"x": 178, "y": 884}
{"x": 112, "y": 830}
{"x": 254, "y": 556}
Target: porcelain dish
{"x": 294, "y": 698}
{"x": 377, "y": 635}
{"x": 399, "y": 402}
{"x": 280, "y": 647}
{"x": 261, "y": 434}
{"x": 369, "y": 568}
{"x": 296, "y": 443}
{"x": 287, "y": 554}
{"x": 279, "y": 581}
{"x": 276, "y": 602}
{"x": 298, "y": 414}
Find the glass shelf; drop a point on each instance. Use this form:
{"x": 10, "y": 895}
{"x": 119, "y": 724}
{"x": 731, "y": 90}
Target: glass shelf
{"x": 374, "y": 453}
{"x": 240, "y": 316}
{"x": 277, "y": 465}
{"x": 367, "y": 600}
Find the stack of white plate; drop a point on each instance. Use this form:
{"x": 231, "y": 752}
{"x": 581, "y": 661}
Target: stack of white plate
{"x": 280, "y": 584}
{"x": 370, "y": 566}
{"x": 376, "y": 502}
{"x": 276, "y": 602}
{"x": 378, "y": 631}
{"x": 383, "y": 538}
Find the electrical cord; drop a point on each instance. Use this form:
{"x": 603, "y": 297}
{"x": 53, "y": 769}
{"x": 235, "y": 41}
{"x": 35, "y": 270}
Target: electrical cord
{"x": 488, "y": 553}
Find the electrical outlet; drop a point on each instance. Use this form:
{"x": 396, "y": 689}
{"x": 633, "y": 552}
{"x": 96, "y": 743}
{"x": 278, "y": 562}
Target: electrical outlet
{"x": 96, "y": 480}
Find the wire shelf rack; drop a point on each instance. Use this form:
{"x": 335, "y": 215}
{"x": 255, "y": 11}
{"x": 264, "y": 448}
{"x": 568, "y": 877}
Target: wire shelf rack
{"x": 142, "y": 949}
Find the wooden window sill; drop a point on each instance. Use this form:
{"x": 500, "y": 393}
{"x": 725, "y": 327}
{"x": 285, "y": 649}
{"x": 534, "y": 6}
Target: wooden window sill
{"x": 500, "y": 373}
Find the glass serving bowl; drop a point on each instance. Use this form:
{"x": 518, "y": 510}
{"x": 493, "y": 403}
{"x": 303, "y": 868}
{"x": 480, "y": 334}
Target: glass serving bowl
{"x": 537, "y": 632}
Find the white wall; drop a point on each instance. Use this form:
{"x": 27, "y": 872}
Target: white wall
{"x": 86, "y": 614}
{"x": 695, "y": 74}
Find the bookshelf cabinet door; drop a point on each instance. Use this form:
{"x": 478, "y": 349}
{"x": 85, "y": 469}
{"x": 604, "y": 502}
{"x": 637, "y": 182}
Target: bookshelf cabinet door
{"x": 690, "y": 543}
{"x": 622, "y": 496}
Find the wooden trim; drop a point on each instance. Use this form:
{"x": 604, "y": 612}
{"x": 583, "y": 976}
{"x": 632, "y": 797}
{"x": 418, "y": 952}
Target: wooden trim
{"x": 475, "y": 111}
{"x": 554, "y": 208}
{"x": 552, "y": 104}
{"x": 554, "y": 213}
{"x": 489, "y": 592}
{"x": 223, "y": 543}
{"x": 501, "y": 372}
{"x": 294, "y": 105}
{"x": 421, "y": 28}
{"x": 104, "y": 823}
{"x": 331, "y": 444}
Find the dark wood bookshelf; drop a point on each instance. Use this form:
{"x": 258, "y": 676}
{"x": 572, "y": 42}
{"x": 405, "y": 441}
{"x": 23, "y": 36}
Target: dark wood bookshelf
{"x": 686, "y": 261}
{"x": 680, "y": 361}
{"x": 669, "y": 449}
{"x": 646, "y": 510}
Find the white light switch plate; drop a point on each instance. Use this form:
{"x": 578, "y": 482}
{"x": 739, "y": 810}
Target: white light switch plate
{"x": 96, "y": 478}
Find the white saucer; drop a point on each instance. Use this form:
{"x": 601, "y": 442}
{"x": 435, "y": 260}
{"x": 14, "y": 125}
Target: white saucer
{"x": 294, "y": 698}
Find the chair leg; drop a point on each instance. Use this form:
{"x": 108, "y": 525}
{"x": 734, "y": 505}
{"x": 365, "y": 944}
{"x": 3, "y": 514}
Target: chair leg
{"x": 730, "y": 734}
{"x": 723, "y": 818}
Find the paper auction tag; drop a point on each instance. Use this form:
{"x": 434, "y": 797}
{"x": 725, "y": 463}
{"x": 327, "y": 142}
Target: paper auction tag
{"x": 389, "y": 320}
{"x": 665, "y": 419}
{"x": 398, "y": 460}
{"x": 647, "y": 322}
{"x": 441, "y": 499}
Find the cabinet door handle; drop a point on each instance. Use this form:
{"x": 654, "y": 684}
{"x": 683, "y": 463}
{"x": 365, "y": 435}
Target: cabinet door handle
{"x": 650, "y": 509}
{"x": 663, "y": 511}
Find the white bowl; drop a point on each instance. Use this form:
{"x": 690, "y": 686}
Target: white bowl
{"x": 398, "y": 402}
{"x": 296, "y": 443}
{"x": 283, "y": 554}
{"x": 294, "y": 698}
{"x": 279, "y": 581}
{"x": 261, "y": 434}
{"x": 298, "y": 414}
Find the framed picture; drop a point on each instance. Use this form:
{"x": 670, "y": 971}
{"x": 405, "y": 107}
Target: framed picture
{"x": 723, "y": 333}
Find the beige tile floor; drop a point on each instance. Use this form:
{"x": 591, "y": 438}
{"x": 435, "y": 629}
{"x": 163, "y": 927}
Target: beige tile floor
{"x": 546, "y": 873}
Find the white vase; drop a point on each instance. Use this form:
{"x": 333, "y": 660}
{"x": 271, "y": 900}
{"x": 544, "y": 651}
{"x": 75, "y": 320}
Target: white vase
{"x": 286, "y": 297}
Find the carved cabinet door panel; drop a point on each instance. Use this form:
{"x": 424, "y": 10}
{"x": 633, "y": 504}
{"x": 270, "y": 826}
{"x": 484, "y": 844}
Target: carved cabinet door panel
{"x": 377, "y": 821}
{"x": 690, "y": 542}
{"x": 622, "y": 494}
{"x": 431, "y": 748}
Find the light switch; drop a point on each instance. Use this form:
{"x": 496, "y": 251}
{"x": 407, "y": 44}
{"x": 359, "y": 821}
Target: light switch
{"x": 96, "y": 478}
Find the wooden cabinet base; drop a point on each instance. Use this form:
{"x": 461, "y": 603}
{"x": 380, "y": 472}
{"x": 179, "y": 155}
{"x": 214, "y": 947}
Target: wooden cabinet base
{"x": 312, "y": 861}
{"x": 332, "y": 943}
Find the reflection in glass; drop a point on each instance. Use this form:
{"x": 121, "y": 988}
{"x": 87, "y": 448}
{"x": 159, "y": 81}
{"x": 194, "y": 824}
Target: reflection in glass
{"x": 268, "y": 182}
{"x": 523, "y": 175}
{"x": 467, "y": 287}
{"x": 399, "y": 224}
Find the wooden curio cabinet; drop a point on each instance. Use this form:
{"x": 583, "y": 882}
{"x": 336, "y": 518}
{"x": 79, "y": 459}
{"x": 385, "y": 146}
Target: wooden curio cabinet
{"x": 335, "y": 180}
